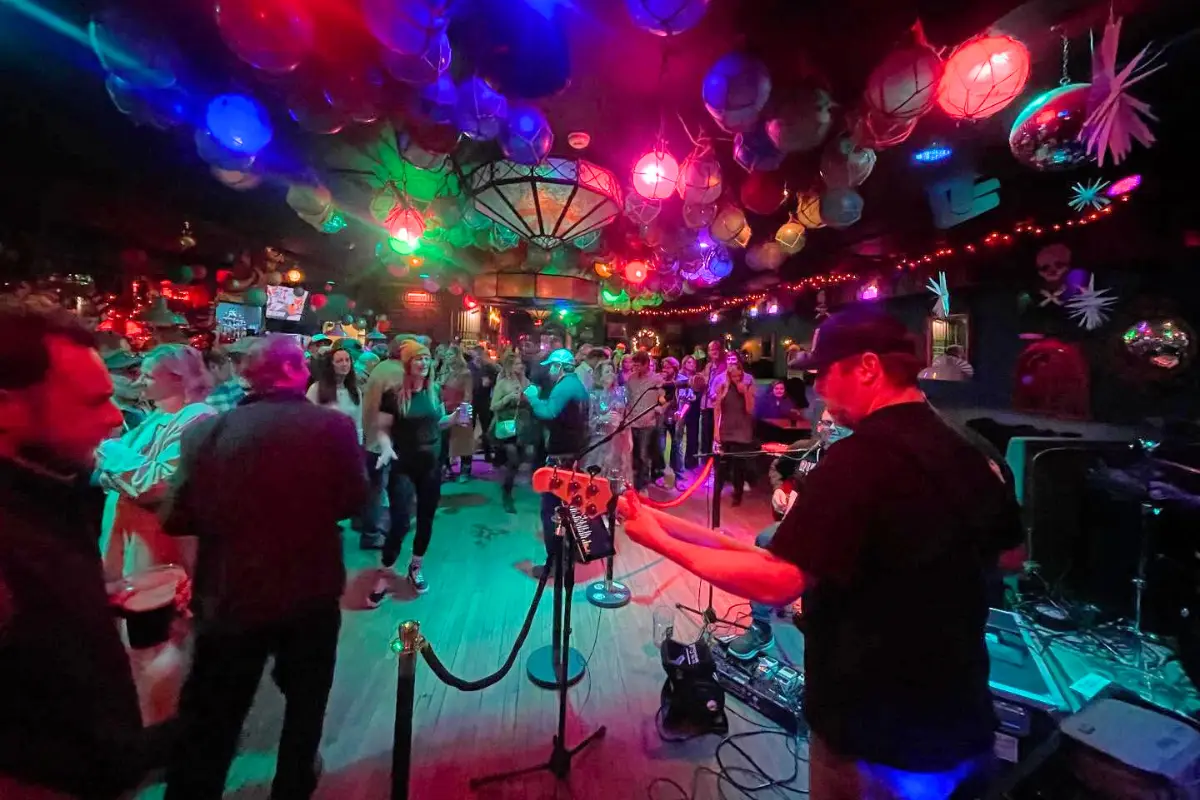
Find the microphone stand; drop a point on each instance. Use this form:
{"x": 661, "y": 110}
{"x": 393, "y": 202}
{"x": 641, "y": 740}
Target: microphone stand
{"x": 559, "y": 664}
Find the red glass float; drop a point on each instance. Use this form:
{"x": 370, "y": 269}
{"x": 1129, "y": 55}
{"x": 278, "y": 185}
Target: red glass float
{"x": 636, "y": 272}
{"x": 982, "y": 76}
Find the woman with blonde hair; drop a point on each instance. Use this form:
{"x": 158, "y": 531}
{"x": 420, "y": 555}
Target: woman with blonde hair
{"x": 411, "y": 419}
{"x": 512, "y": 429}
{"x": 136, "y": 469}
{"x": 456, "y": 385}
{"x": 388, "y": 376}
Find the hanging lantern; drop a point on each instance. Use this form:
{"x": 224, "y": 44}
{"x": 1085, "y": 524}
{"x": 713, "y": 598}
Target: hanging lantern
{"x": 728, "y": 223}
{"x": 240, "y": 181}
{"x": 844, "y": 165}
{"x": 700, "y": 178}
{"x": 790, "y": 236}
{"x": 755, "y": 152}
{"x": 808, "y": 211}
{"x": 841, "y": 208}
{"x": 699, "y": 216}
{"x": 1046, "y": 134}
{"x": 904, "y": 85}
{"x": 438, "y": 101}
{"x": 666, "y": 17}
{"x": 422, "y": 68}
{"x": 481, "y": 111}
{"x": 636, "y": 272}
{"x": 742, "y": 239}
{"x": 555, "y": 201}
{"x": 405, "y": 26}
{"x": 641, "y": 210}
{"x": 801, "y": 121}
{"x": 982, "y": 76}
{"x": 309, "y": 200}
{"x": 271, "y": 35}
{"x": 603, "y": 269}
{"x": 763, "y": 192}
{"x": 405, "y": 225}
{"x": 527, "y": 137}
{"x": 735, "y": 90}
{"x": 238, "y": 123}
{"x": 766, "y": 257}
{"x": 293, "y": 276}
{"x": 656, "y": 174}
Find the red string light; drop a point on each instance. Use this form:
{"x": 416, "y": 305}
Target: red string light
{"x": 999, "y": 239}
{"x": 812, "y": 282}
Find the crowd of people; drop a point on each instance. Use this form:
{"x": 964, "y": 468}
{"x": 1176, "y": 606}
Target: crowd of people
{"x": 114, "y": 465}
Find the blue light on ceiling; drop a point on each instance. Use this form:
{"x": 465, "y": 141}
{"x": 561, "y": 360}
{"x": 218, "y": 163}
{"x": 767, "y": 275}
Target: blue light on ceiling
{"x": 239, "y": 123}
{"x": 933, "y": 154}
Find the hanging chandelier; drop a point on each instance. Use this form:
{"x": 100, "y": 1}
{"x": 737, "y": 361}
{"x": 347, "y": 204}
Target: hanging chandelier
{"x": 549, "y": 203}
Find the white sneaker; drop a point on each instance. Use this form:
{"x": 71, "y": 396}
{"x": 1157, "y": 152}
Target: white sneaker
{"x": 416, "y": 579}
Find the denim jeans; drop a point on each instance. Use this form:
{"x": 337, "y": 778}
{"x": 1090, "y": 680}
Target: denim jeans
{"x": 413, "y": 476}
{"x": 372, "y": 512}
{"x": 643, "y": 451}
{"x": 674, "y": 433}
{"x": 761, "y": 612}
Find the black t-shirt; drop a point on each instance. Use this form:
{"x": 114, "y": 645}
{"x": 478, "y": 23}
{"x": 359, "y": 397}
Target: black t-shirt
{"x": 898, "y": 532}
{"x": 416, "y": 432}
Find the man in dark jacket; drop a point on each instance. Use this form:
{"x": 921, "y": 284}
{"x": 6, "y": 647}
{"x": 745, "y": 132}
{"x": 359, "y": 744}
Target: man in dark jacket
{"x": 564, "y": 413}
{"x": 69, "y": 719}
{"x": 263, "y": 487}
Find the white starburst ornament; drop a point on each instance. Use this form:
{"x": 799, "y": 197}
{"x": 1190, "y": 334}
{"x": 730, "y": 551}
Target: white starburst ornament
{"x": 941, "y": 306}
{"x": 1089, "y": 195}
{"x": 1090, "y": 306}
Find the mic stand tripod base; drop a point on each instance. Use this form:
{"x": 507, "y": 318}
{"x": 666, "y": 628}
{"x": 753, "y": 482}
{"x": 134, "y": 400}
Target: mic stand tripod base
{"x": 541, "y": 670}
{"x": 608, "y": 594}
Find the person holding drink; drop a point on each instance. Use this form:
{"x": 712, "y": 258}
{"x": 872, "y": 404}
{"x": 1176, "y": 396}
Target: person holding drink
{"x": 411, "y": 420}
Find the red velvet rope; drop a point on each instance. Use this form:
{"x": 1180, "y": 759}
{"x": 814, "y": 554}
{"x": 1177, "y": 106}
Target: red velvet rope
{"x": 696, "y": 484}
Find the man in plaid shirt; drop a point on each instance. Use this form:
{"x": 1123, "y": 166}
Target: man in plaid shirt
{"x": 229, "y": 389}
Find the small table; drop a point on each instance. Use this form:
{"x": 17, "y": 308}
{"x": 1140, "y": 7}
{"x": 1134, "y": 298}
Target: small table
{"x": 786, "y": 430}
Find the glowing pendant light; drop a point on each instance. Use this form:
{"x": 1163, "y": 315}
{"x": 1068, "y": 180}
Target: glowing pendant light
{"x": 656, "y": 175}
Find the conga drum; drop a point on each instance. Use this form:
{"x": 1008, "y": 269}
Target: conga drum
{"x": 149, "y": 601}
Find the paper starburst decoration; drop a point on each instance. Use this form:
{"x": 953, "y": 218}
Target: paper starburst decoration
{"x": 1115, "y": 117}
{"x": 1089, "y": 307}
{"x": 941, "y": 306}
{"x": 1089, "y": 195}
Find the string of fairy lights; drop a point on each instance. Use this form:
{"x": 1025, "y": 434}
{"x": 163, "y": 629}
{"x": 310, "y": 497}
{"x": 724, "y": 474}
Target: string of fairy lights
{"x": 1024, "y": 228}
{"x": 814, "y": 282}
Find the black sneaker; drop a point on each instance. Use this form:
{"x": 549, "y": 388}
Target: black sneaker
{"x": 375, "y": 598}
{"x": 756, "y": 640}
{"x": 419, "y": 584}
{"x": 370, "y": 541}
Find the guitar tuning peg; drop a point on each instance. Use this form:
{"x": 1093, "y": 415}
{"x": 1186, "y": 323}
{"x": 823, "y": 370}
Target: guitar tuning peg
{"x": 577, "y": 501}
{"x": 573, "y": 486}
{"x": 593, "y": 490}
{"x": 591, "y": 509}
{"x": 594, "y": 470}
{"x": 556, "y": 483}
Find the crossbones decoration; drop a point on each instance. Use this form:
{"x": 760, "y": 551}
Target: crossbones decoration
{"x": 1053, "y": 264}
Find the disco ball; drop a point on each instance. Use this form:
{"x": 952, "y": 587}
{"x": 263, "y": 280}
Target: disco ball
{"x": 1046, "y": 133}
{"x": 1162, "y": 344}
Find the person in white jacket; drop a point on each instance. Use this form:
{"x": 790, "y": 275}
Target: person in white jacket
{"x": 136, "y": 468}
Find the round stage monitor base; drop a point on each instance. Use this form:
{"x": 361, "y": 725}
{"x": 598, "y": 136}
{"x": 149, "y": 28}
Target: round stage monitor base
{"x": 608, "y": 595}
{"x": 540, "y": 667}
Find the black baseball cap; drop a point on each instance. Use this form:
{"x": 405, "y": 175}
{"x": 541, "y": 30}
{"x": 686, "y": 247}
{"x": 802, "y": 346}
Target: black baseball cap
{"x": 853, "y": 332}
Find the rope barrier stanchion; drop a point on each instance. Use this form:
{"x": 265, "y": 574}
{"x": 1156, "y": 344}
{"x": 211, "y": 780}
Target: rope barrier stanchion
{"x": 407, "y": 644}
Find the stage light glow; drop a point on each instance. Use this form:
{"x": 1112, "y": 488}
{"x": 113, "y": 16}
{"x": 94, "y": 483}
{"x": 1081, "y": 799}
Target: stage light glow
{"x": 933, "y": 154}
{"x": 1124, "y": 186}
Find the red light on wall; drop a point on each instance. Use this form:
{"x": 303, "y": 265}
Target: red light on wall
{"x": 470, "y": 303}
{"x": 636, "y": 272}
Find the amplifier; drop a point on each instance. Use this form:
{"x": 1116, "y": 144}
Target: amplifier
{"x": 1029, "y": 706}
{"x": 767, "y": 685}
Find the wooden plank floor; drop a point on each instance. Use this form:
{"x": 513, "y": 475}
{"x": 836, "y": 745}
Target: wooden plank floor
{"x": 478, "y": 567}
